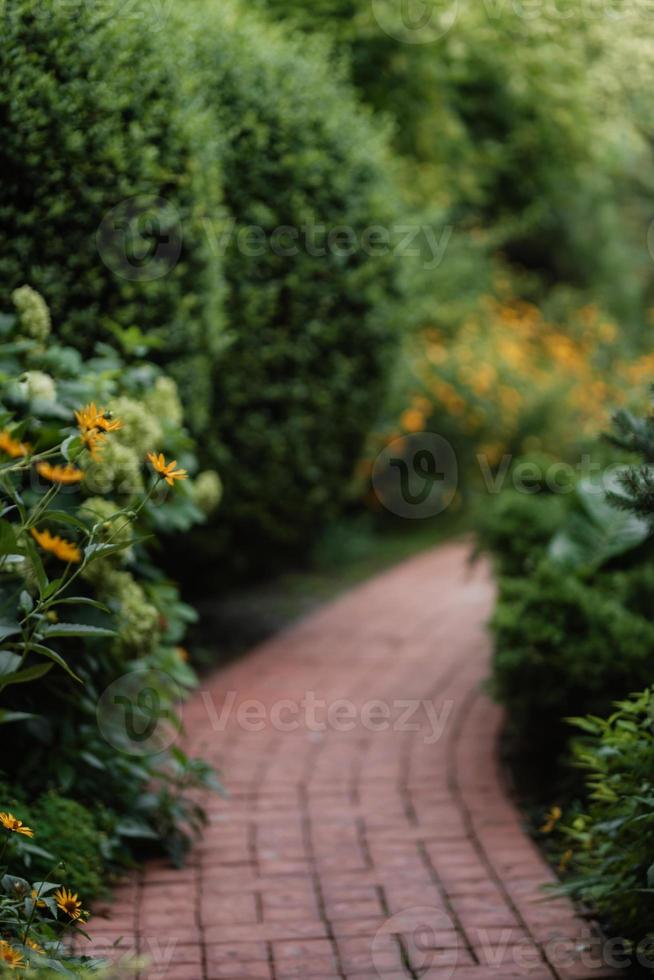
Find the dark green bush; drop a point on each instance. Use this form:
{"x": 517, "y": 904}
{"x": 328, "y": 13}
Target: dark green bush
{"x": 516, "y": 528}
{"x": 311, "y": 337}
{"x": 563, "y": 647}
{"x": 93, "y": 115}
{"x": 65, "y": 831}
{"x": 609, "y": 845}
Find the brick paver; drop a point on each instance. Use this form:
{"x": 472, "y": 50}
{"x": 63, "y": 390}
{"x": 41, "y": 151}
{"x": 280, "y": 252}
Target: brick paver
{"x": 367, "y": 832}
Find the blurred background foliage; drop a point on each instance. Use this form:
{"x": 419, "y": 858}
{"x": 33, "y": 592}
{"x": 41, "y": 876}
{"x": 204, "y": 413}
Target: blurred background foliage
{"x": 515, "y": 144}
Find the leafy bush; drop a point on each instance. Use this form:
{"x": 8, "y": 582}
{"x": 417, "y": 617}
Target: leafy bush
{"x": 108, "y": 175}
{"x": 607, "y": 847}
{"x": 36, "y": 915}
{"x": 563, "y": 647}
{"x": 80, "y": 589}
{"x": 516, "y": 528}
{"x": 315, "y": 319}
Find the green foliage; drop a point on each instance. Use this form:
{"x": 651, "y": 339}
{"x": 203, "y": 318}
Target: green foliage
{"x": 38, "y": 917}
{"x": 69, "y": 835}
{"x": 93, "y": 118}
{"x": 610, "y": 864}
{"x": 596, "y": 530}
{"x": 314, "y": 319}
{"x": 508, "y": 120}
{"x": 563, "y": 647}
{"x": 516, "y": 527}
{"x": 90, "y": 606}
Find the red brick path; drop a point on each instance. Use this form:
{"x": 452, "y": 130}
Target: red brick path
{"x": 370, "y": 847}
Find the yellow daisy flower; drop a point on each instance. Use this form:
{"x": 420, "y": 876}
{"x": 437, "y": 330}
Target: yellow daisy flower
{"x": 11, "y": 956}
{"x": 60, "y": 474}
{"x": 65, "y": 550}
{"x": 91, "y": 417}
{"x": 10, "y": 822}
{"x": 68, "y": 902}
{"x": 93, "y": 440}
{"x": 166, "y": 470}
{"x": 13, "y": 447}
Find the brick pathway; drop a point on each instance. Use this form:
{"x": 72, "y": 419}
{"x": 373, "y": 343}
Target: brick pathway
{"x": 378, "y": 844}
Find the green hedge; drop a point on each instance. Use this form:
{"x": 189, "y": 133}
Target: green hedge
{"x": 103, "y": 105}
{"x": 565, "y": 647}
{"x": 311, "y": 335}
{"x": 93, "y": 115}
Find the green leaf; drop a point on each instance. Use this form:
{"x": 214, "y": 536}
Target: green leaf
{"x": 37, "y": 564}
{"x": 597, "y": 531}
{"x": 94, "y": 551}
{"x": 7, "y": 537}
{"x": 71, "y": 448}
{"x": 7, "y": 628}
{"x": 9, "y": 661}
{"x": 8, "y": 716}
{"x": 25, "y": 602}
{"x": 63, "y": 517}
{"x": 76, "y": 629}
{"x": 81, "y": 600}
{"x": 27, "y": 674}
{"x": 57, "y": 658}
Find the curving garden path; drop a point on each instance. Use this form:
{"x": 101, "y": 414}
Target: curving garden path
{"x": 368, "y": 833}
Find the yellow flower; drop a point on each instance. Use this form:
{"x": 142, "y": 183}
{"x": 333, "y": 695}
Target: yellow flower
{"x": 91, "y": 417}
{"x": 166, "y": 470}
{"x": 33, "y": 945}
{"x": 553, "y": 818}
{"x": 413, "y": 420}
{"x": 10, "y": 822}
{"x": 93, "y": 424}
{"x": 60, "y": 474}
{"x": 65, "y": 550}
{"x": 39, "y": 902}
{"x": 10, "y": 956}
{"x": 13, "y": 447}
{"x": 93, "y": 440}
{"x": 68, "y": 902}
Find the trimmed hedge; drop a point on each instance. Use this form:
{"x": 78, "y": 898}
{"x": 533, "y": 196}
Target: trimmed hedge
{"x": 302, "y": 377}
{"x": 93, "y": 115}
{"x": 100, "y": 108}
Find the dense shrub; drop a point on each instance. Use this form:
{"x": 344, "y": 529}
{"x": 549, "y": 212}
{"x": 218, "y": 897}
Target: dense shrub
{"x": 84, "y": 602}
{"x": 69, "y": 833}
{"x": 563, "y": 647}
{"x": 607, "y": 846}
{"x": 313, "y": 323}
{"x": 516, "y": 528}
{"x": 92, "y": 116}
